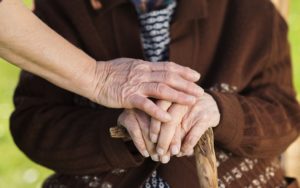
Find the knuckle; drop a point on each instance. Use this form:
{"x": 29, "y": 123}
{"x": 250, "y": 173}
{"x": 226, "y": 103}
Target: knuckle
{"x": 124, "y": 119}
{"x": 140, "y": 65}
{"x": 170, "y": 66}
{"x": 163, "y": 143}
{"x": 157, "y": 114}
{"x": 162, "y": 146}
{"x": 185, "y": 127}
{"x": 175, "y": 140}
{"x": 174, "y": 143}
{"x": 187, "y": 69}
{"x": 125, "y": 123}
{"x": 160, "y": 88}
{"x": 169, "y": 77}
{"x": 145, "y": 105}
{"x": 132, "y": 99}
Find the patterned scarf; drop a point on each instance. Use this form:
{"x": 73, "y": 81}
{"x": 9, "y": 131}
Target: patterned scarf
{"x": 144, "y": 6}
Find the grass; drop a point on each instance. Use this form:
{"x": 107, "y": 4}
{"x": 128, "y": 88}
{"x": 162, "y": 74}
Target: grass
{"x": 17, "y": 171}
{"x": 294, "y": 37}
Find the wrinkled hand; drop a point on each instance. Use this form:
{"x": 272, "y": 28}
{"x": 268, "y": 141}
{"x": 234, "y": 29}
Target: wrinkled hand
{"x": 128, "y": 83}
{"x": 137, "y": 124}
{"x": 188, "y": 124}
{"x": 203, "y": 115}
{"x": 192, "y": 125}
{"x": 168, "y": 135}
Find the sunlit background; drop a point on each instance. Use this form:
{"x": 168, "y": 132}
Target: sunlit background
{"x": 16, "y": 171}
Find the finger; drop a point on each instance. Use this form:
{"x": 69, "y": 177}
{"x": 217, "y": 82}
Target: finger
{"x": 164, "y": 92}
{"x": 168, "y": 129}
{"x": 165, "y": 158}
{"x": 165, "y": 137}
{"x": 146, "y": 105}
{"x": 144, "y": 123}
{"x": 175, "y": 81}
{"x": 176, "y": 142}
{"x": 150, "y": 147}
{"x": 130, "y": 123}
{"x": 154, "y": 130}
{"x": 191, "y": 118}
{"x": 138, "y": 141}
{"x": 192, "y": 138}
{"x": 185, "y": 72}
{"x": 155, "y": 123}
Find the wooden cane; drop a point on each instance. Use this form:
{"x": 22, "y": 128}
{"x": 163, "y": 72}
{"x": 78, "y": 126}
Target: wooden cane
{"x": 204, "y": 154}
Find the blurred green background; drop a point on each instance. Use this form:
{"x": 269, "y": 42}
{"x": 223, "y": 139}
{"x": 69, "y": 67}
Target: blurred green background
{"x": 16, "y": 171}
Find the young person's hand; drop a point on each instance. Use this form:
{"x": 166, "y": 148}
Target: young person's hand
{"x": 128, "y": 83}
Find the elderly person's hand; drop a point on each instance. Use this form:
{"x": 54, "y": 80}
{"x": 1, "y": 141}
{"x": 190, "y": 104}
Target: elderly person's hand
{"x": 192, "y": 125}
{"x": 137, "y": 124}
{"x": 128, "y": 83}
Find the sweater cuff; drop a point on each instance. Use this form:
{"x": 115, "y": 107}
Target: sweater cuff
{"x": 115, "y": 150}
{"x": 230, "y": 129}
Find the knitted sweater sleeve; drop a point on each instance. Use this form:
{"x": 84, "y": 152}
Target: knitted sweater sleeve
{"x": 262, "y": 119}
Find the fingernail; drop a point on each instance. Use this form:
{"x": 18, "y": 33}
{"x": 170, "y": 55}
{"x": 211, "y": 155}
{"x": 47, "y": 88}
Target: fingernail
{"x": 165, "y": 159}
{"x": 146, "y": 154}
{"x": 153, "y": 138}
{"x": 155, "y": 157}
{"x": 160, "y": 151}
{"x": 196, "y": 74}
{"x": 180, "y": 154}
{"x": 174, "y": 150}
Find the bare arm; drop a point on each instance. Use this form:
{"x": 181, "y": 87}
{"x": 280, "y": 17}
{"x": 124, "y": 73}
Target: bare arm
{"x": 28, "y": 43}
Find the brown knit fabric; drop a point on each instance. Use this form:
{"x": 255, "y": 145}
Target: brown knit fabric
{"x": 239, "y": 46}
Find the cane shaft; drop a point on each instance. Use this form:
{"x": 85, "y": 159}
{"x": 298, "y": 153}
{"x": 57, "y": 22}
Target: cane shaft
{"x": 206, "y": 161}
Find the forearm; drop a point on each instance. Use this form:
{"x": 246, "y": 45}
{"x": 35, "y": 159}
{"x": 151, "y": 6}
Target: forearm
{"x": 28, "y": 43}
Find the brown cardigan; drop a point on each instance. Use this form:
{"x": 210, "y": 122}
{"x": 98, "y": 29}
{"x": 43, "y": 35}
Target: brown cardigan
{"x": 239, "y": 46}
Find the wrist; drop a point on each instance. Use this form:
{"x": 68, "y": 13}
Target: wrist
{"x": 98, "y": 78}
{"x": 85, "y": 81}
